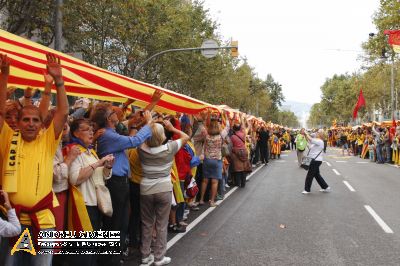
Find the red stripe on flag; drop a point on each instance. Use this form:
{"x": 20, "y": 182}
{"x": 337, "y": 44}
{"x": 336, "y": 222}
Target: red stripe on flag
{"x": 69, "y": 88}
{"x": 76, "y": 62}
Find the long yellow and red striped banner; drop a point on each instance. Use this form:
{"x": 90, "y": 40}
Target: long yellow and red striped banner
{"x": 86, "y": 80}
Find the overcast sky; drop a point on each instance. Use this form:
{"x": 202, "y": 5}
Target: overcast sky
{"x": 301, "y": 43}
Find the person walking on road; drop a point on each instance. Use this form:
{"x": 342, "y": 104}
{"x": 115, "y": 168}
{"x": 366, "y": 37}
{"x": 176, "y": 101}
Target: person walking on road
{"x": 301, "y": 144}
{"x": 292, "y": 140}
{"x": 325, "y": 139}
{"x": 315, "y": 152}
{"x": 263, "y": 142}
{"x": 379, "y": 142}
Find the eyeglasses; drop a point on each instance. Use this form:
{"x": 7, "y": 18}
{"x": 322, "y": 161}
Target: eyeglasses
{"x": 90, "y": 129}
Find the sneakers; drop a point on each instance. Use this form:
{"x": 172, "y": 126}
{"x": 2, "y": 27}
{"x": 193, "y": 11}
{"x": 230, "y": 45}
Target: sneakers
{"x": 148, "y": 261}
{"x": 183, "y": 224}
{"x": 305, "y": 192}
{"x": 193, "y": 204}
{"x": 213, "y": 204}
{"x": 195, "y": 208}
{"x": 176, "y": 228}
{"x": 164, "y": 261}
{"x": 328, "y": 189}
{"x": 219, "y": 197}
{"x": 227, "y": 186}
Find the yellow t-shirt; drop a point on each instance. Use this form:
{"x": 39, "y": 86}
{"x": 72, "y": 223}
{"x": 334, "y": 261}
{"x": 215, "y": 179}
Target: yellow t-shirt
{"x": 35, "y": 172}
{"x": 360, "y": 139}
{"x": 135, "y": 165}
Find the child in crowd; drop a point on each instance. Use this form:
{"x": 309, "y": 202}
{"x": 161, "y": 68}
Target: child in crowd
{"x": 371, "y": 150}
{"x": 225, "y": 172}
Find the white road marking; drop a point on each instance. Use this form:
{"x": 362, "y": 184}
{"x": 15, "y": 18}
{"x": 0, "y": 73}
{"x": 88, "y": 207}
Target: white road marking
{"x": 392, "y": 165}
{"x": 341, "y": 161}
{"x": 361, "y": 162}
{"x": 349, "y": 186}
{"x": 280, "y": 161}
{"x": 284, "y": 155}
{"x": 328, "y": 164}
{"x": 378, "y": 219}
{"x": 205, "y": 213}
{"x": 336, "y": 172}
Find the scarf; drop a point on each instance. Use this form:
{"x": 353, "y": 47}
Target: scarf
{"x": 195, "y": 159}
{"x": 76, "y": 141}
{"x": 78, "y": 217}
{"x": 45, "y": 203}
{"x": 10, "y": 183}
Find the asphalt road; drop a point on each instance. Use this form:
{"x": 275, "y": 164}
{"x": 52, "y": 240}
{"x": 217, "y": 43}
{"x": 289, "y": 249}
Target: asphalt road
{"x": 271, "y": 223}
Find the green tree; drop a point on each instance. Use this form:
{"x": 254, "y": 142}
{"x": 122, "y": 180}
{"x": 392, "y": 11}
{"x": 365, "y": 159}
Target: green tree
{"x": 387, "y": 17}
{"x": 119, "y": 35}
{"x": 288, "y": 119}
{"x": 34, "y": 18}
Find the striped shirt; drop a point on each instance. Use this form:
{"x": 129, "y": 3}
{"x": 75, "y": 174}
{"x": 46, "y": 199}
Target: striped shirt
{"x": 156, "y": 166}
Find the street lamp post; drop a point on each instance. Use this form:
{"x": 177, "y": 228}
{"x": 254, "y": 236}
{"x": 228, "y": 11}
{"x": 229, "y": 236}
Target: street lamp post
{"x": 392, "y": 87}
{"x": 393, "y": 101}
{"x": 205, "y": 47}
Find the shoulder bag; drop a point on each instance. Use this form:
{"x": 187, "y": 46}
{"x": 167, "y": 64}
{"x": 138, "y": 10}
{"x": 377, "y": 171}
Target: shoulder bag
{"x": 103, "y": 199}
{"x": 306, "y": 161}
{"x": 242, "y": 154}
{"x": 224, "y": 148}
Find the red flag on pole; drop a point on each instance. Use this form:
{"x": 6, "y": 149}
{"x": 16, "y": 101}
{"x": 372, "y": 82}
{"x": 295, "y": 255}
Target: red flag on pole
{"x": 394, "y": 39}
{"x": 360, "y": 103}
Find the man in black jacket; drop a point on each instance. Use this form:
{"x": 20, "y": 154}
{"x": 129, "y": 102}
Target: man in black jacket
{"x": 263, "y": 141}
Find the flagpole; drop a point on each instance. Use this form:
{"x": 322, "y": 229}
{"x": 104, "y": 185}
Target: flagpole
{"x": 392, "y": 86}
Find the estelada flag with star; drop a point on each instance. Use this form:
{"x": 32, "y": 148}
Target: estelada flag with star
{"x": 394, "y": 39}
{"x": 360, "y": 103}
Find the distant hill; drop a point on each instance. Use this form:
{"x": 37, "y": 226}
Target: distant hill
{"x": 301, "y": 110}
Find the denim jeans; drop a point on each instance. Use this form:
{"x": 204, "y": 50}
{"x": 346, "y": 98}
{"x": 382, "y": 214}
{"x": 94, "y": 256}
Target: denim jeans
{"x": 379, "y": 155}
{"x": 388, "y": 154}
{"x": 22, "y": 258}
{"x": 371, "y": 155}
{"x": 181, "y": 206}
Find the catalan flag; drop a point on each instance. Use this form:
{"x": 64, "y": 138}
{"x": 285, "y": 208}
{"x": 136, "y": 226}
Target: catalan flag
{"x": 86, "y": 80}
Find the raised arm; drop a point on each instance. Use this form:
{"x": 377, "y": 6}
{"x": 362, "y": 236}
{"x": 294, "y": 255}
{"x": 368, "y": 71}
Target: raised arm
{"x": 374, "y": 130}
{"x": 45, "y": 101}
{"x": 5, "y": 72}
{"x": 154, "y": 100}
{"x": 61, "y": 114}
{"x": 182, "y": 136}
{"x": 27, "y": 98}
{"x": 308, "y": 137}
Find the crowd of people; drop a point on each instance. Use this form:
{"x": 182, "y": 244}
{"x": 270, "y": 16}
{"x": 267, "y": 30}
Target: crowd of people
{"x": 96, "y": 166}
{"x": 377, "y": 142}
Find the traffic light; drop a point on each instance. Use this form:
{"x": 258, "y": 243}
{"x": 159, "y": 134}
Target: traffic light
{"x": 234, "y": 49}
